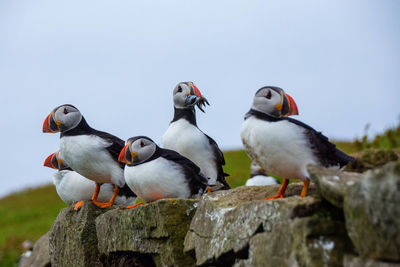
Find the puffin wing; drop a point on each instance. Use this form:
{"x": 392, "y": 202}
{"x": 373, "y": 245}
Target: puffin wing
{"x": 219, "y": 156}
{"x": 190, "y": 168}
{"x": 325, "y": 151}
{"x": 114, "y": 145}
{"x": 219, "y": 162}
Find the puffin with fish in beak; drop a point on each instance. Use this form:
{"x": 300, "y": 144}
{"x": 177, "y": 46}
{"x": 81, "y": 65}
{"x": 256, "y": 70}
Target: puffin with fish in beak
{"x": 184, "y": 136}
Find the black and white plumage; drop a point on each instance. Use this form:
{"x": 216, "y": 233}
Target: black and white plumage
{"x": 89, "y": 152}
{"x": 258, "y": 176}
{"x": 154, "y": 173}
{"x": 73, "y": 187}
{"x": 185, "y": 137}
{"x": 284, "y": 146}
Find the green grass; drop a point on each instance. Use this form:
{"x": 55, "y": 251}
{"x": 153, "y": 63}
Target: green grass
{"x": 26, "y": 215}
{"x": 237, "y": 166}
{"x": 388, "y": 140}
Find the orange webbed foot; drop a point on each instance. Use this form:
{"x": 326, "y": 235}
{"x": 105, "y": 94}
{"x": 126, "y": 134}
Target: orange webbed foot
{"x": 132, "y": 206}
{"x": 281, "y": 191}
{"x": 274, "y": 197}
{"x": 102, "y": 205}
{"x": 78, "y": 205}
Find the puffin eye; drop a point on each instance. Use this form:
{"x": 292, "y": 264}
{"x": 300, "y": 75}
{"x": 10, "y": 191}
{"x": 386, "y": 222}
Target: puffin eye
{"x": 179, "y": 89}
{"x": 269, "y": 95}
{"x": 65, "y": 111}
{"x": 141, "y": 144}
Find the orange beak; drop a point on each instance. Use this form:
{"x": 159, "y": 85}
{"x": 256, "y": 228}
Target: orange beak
{"x": 51, "y": 161}
{"x": 292, "y": 106}
{"x": 122, "y": 154}
{"x": 197, "y": 98}
{"x": 196, "y": 91}
{"x": 126, "y": 155}
{"x": 49, "y": 125}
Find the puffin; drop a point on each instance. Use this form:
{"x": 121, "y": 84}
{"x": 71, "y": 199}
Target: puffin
{"x": 258, "y": 176}
{"x": 155, "y": 173}
{"x": 284, "y": 146}
{"x": 73, "y": 187}
{"x": 91, "y": 153}
{"x": 186, "y": 138}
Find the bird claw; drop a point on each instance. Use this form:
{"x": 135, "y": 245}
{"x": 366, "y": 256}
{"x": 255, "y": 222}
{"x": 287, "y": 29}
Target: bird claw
{"x": 78, "y": 205}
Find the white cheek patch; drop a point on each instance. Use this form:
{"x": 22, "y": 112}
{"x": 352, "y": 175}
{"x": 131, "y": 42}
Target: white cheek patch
{"x": 67, "y": 121}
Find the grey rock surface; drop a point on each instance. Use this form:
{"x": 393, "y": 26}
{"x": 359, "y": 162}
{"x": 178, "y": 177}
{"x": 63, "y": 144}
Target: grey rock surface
{"x": 333, "y": 185}
{"x": 373, "y": 215}
{"x": 370, "y": 203}
{"x": 73, "y": 238}
{"x": 238, "y": 227}
{"x": 157, "y": 229}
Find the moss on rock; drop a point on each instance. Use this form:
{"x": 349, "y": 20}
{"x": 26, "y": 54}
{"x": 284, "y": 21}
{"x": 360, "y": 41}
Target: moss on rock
{"x": 157, "y": 229}
{"x": 372, "y": 158}
{"x": 73, "y": 238}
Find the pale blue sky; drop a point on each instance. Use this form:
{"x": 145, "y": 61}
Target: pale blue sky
{"x": 118, "y": 62}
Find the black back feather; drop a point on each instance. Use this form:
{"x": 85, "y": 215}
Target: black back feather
{"x": 219, "y": 161}
{"x": 191, "y": 171}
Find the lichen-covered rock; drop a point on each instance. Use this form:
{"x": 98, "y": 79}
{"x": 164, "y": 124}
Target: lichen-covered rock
{"x": 373, "y": 215}
{"x": 308, "y": 241}
{"x": 73, "y": 238}
{"x": 157, "y": 229}
{"x": 39, "y": 256}
{"x": 333, "y": 185}
{"x": 226, "y": 223}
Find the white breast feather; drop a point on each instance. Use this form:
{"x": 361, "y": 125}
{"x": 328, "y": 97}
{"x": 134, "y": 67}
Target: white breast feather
{"x": 72, "y": 187}
{"x": 260, "y": 180}
{"x": 156, "y": 179}
{"x": 87, "y": 155}
{"x": 280, "y": 148}
{"x": 190, "y": 142}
